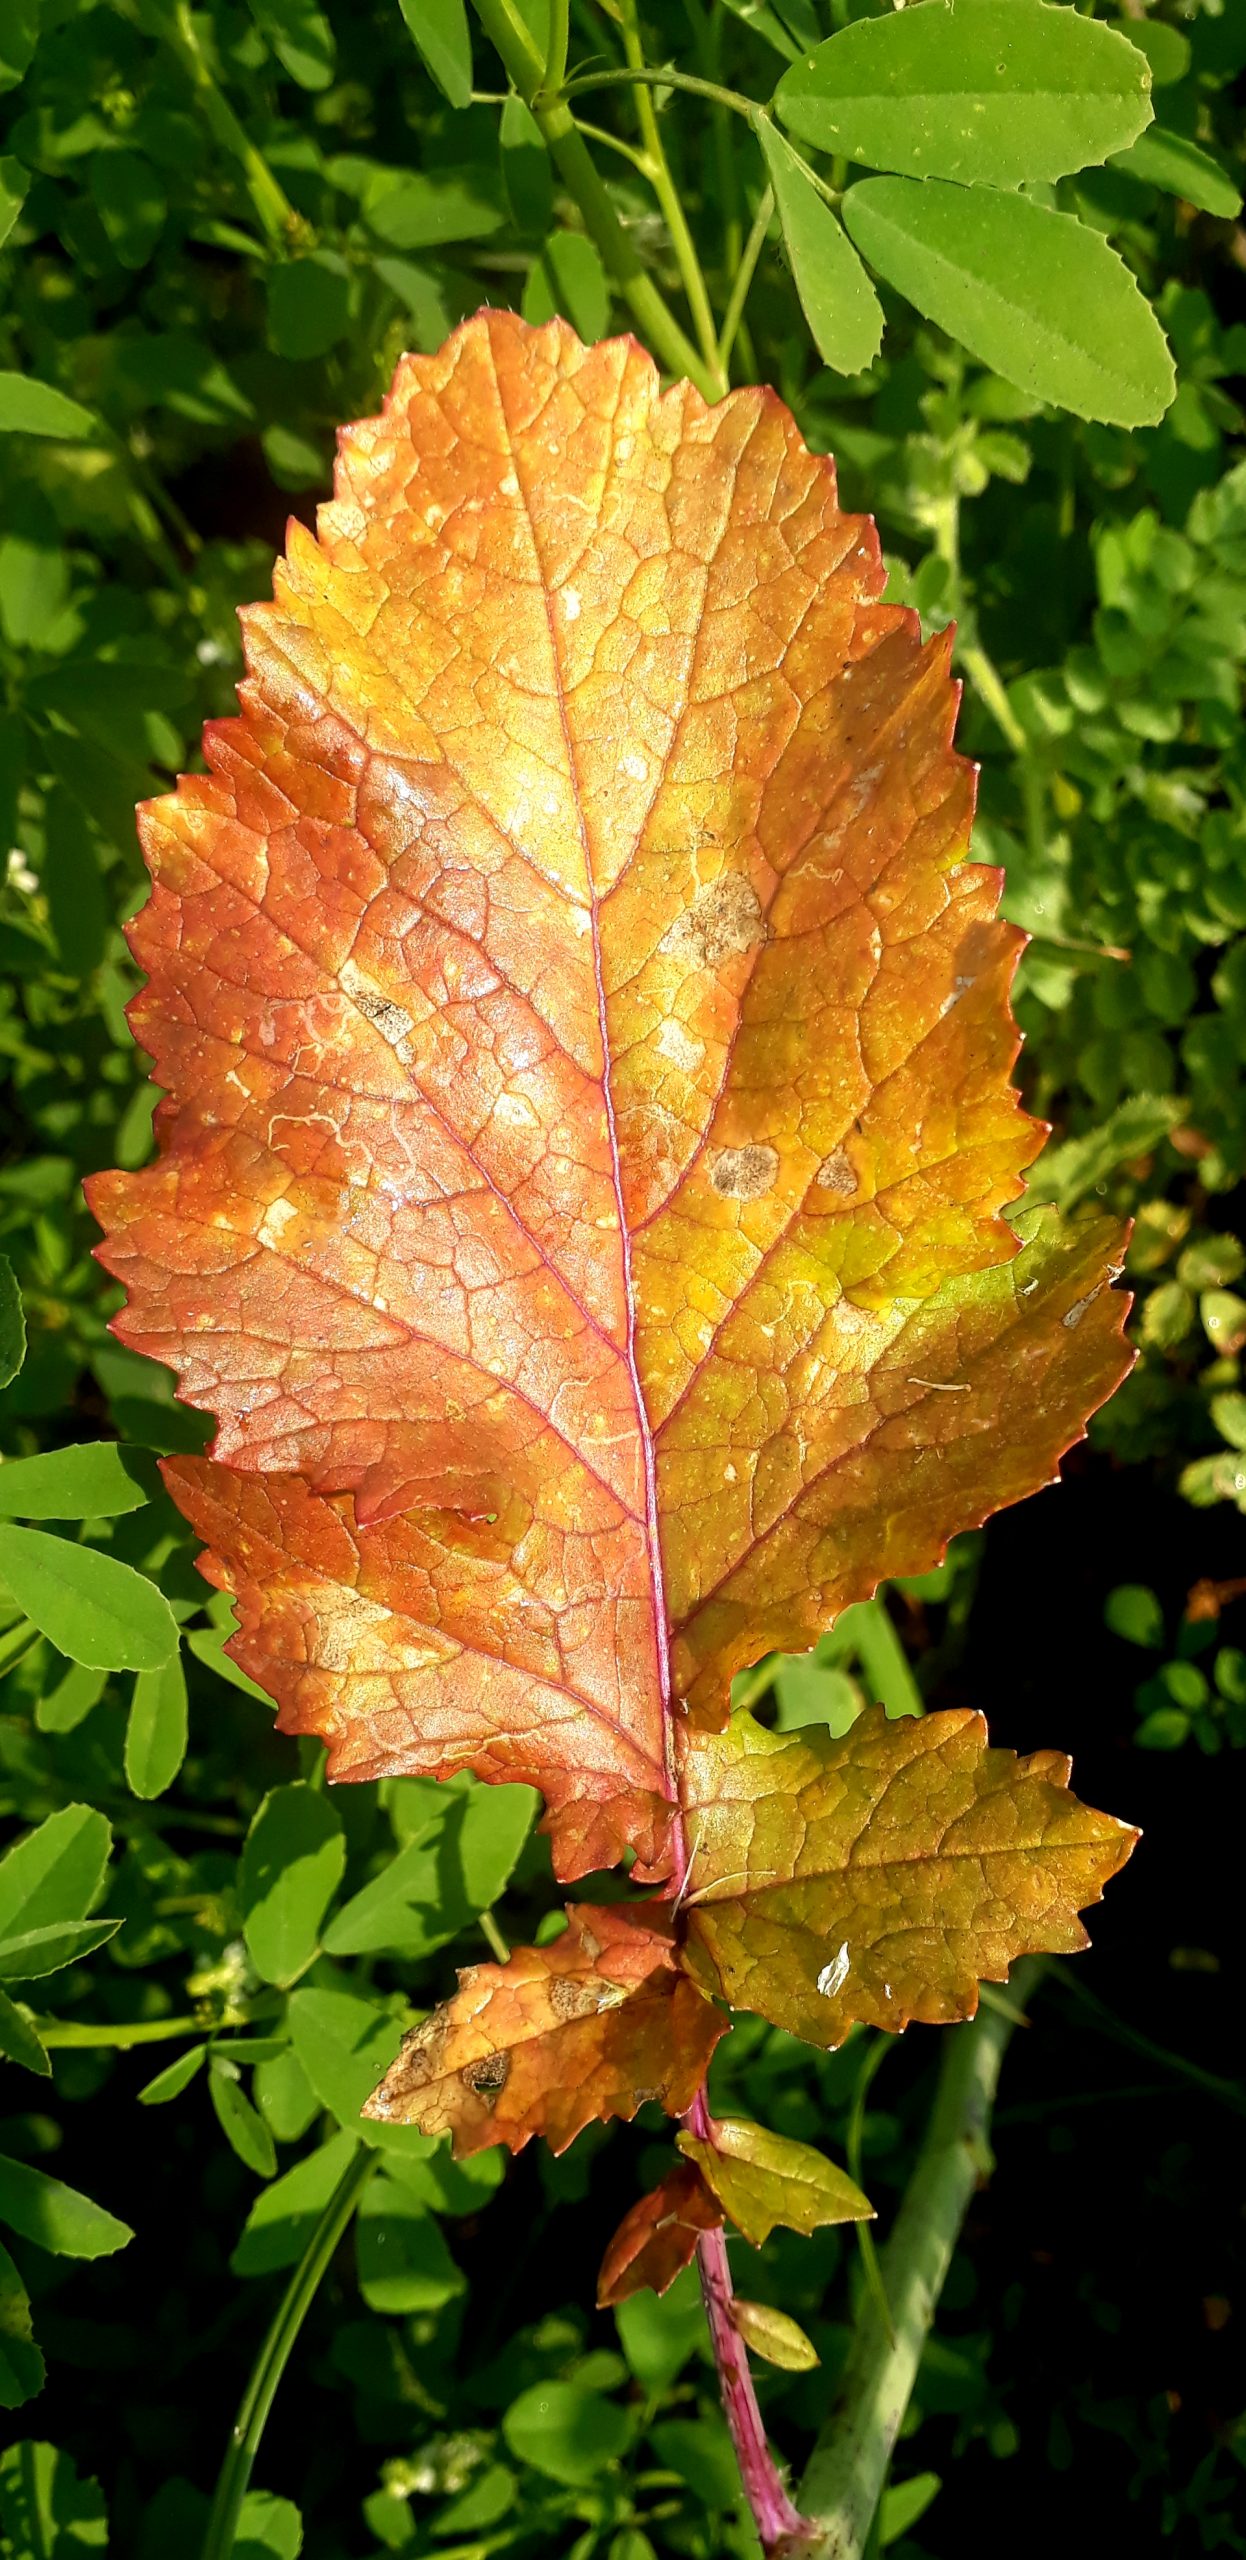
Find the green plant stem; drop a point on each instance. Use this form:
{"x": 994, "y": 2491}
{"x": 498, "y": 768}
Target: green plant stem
{"x": 567, "y": 147}
{"x": 491, "y": 1933}
{"x": 69, "y": 2033}
{"x": 989, "y": 686}
{"x": 556, "y": 49}
{"x": 282, "y": 224}
{"x": 866, "y": 2246}
{"x": 274, "y": 2355}
{"x": 669, "y": 198}
{"x": 664, "y": 79}
{"x": 1231, "y": 2093}
{"x": 744, "y": 274}
{"x": 615, "y": 142}
{"x": 848, "y": 2467}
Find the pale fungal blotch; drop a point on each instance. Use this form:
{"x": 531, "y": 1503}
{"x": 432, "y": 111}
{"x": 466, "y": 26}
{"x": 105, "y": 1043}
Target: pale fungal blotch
{"x": 725, "y": 917}
{"x": 677, "y": 1044}
{"x": 837, "y": 1173}
{"x": 744, "y": 1173}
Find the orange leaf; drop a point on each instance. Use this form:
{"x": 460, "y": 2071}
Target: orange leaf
{"x": 587, "y": 1052}
{"x": 341, "y": 1625}
{"x": 658, "y": 2238}
{"x": 589, "y": 2026}
{"x": 880, "y": 1877}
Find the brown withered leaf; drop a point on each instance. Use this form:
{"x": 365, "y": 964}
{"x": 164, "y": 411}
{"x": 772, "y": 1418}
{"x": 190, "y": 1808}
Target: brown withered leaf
{"x": 589, "y": 1123}
{"x": 657, "y": 2239}
{"x": 761, "y": 2178}
{"x": 559, "y": 2036}
{"x": 879, "y": 1877}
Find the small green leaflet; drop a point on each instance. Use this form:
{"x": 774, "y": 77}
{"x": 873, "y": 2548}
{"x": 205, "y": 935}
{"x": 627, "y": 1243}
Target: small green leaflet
{"x": 1168, "y": 160}
{"x": 1035, "y": 295}
{"x": 838, "y": 300}
{"x": 568, "y": 277}
{"x": 291, "y": 1868}
{"x": 93, "y": 1482}
{"x": 89, "y": 1606}
{"x": 14, "y": 181}
{"x": 269, "y": 2528}
{"x": 244, "y": 2130}
{"x": 1068, "y": 1172}
{"x": 455, "y": 1866}
{"x": 527, "y": 174}
{"x": 56, "y": 2217}
{"x": 19, "y": 34}
{"x": 301, "y": 38}
{"x": 130, "y": 202}
{"x": 47, "y": 2512}
{"x": 403, "y": 2262}
{"x": 31, "y": 408}
{"x": 32, "y": 1953}
{"x": 1133, "y": 1612}
{"x": 440, "y": 33}
{"x": 988, "y": 92}
{"x": 284, "y": 2215}
{"x": 902, "y": 2506}
{"x": 208, "y": 1646}
{"x": 155, "y": 1734}
{"x": 56, "y": 1872}
{"x": 68, "y": 1703}
{"x": 769, "y": 24}
{"x": 308, "y": 305}
{"x": 21, "y": 2365}
{"x": 175, "y": 2077}
{"x": 421, "y": 209}
{"x": 12, "y": 1324}
{"x": 19, "y": 2041}
{"x": 345, "y": 2043}
{"x": 566, "y": 2432}
{"x": 284, "y": 2096}
{"x": 73, "y": 883}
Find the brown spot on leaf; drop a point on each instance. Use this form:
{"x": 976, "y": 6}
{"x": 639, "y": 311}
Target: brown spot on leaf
{"x": 725, "y": 917}
{"x": 488, "y": 2077}
{"x": 744, "y": 1173}
{"x": 571, "y": 1999}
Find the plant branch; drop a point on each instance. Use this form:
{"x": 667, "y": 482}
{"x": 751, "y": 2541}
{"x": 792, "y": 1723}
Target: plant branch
{"x": 274, "y": 2355}
{"x": 867, "y": 2247}
{"x": 669, "y": 198}
{"x": 780, "y": 2527}
{"x": 282, "y": 223}
{"x": 71, "y": 2033}
{"x": 556, "y": 49}
{"x": 844, "y": 2481}
{"x": 567, "y": 147}
{"x": 988, "y": 685}
{"x": 664, "y": 79}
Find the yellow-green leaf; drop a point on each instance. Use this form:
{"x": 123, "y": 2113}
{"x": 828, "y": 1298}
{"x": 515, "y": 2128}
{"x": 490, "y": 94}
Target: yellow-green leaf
{"x": 770, "y": 2334}
{"x": 761, "y": 2178}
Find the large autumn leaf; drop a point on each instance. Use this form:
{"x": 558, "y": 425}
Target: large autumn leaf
{"x": 581, "y": 1183}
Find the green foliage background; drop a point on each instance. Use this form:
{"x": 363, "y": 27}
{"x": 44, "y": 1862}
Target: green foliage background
{"x": 226, "y": 225}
